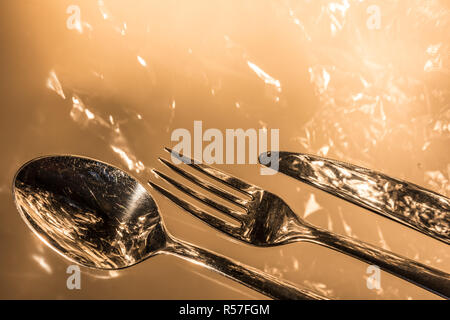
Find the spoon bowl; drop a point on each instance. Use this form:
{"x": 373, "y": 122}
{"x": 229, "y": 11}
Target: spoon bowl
{"x": 88, "y": 211}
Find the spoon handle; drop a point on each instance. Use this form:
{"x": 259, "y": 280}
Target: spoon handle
{"x": 248, "y": 276}
{"x": 426, "y": 277}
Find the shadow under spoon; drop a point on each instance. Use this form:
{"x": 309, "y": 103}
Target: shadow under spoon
{"x": 98, "y": 216}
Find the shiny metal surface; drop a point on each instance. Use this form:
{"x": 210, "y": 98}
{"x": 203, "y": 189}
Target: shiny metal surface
{"x": 100, "y": 217}
{"x": 402, "y": 201}
{"x": 115, "y": 86}
{"x": 269, "y": 221}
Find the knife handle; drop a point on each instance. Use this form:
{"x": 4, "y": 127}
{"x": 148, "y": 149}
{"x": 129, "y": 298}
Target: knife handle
{"x": 404, "y": 202}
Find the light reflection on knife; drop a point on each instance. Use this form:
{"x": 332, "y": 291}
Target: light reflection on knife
{"x": 402, "y": 201}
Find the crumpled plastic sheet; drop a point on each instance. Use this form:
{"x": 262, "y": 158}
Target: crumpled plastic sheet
{"x": 379, "y": 89}
{"x": 380, "y": 93}
{"x": 376, "y": 87}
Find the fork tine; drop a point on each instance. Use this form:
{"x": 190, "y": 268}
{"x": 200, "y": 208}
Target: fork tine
{"x": 213, "y": 221}
{"x": 206, "y": 185}
{"x": 213, "y": 204}
{"x": 218, "y": 175}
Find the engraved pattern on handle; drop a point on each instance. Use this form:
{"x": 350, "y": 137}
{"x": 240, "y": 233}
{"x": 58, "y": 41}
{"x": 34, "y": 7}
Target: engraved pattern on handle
{"x": 407, "y": 203}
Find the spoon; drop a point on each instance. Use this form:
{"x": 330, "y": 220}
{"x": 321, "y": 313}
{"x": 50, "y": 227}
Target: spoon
{"x": 98, "y": 216}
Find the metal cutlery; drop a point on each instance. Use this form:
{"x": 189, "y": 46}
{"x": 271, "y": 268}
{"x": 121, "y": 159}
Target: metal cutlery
{"x": 98, "y": 216}
{"x": 402, "y": 201}
{"x": 268, "y": 221}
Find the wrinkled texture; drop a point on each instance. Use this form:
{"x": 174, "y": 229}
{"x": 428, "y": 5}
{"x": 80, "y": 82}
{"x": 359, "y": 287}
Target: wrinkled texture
{"x": 114, "y": 84}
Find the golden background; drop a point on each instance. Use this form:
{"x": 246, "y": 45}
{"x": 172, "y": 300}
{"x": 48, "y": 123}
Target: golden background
{"x": 115, "y": 87}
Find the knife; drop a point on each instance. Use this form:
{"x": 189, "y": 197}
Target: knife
{"x": 402, "y": 201}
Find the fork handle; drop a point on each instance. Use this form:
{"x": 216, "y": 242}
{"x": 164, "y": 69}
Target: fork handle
{"x": 426, "y": 277}
{"x": 248, "y": 276}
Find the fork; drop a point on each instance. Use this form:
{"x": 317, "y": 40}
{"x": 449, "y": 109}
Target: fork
{"x": 269, "y": 221}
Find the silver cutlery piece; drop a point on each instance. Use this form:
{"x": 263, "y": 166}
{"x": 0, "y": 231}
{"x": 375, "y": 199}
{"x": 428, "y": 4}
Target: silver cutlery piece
{"x": 98, "y": 216}
{"x": 402, "y": 201}
{"x": 268, "y": 221}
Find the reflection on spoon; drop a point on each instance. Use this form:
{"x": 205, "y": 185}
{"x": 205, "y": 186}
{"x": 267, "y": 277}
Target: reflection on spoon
{"x": 100, "y": 217}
